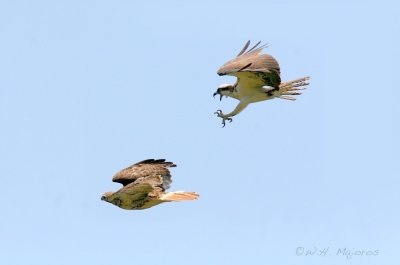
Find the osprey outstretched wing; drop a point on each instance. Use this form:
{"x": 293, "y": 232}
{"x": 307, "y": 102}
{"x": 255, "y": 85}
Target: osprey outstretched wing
{"x": 252, "y": 68}
{"x": 258, "y": 79}
{"x": 145, "y": 184}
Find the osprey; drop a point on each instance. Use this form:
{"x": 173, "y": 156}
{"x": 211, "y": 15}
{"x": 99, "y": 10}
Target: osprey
{"x": 144, "y": 186}
{"x": 258, "y": 79}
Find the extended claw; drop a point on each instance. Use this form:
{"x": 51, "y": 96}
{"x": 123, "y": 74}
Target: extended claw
{"x": 220, "y": 114}
{"x": 225, "y": 119}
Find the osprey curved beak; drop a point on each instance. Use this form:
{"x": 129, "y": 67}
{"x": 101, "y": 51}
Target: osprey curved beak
{"x": 220, "y": 95}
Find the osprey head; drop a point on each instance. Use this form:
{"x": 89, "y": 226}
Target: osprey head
{"x": 224, "y": 90}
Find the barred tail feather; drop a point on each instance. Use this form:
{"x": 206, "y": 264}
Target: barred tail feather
{"x": 291, "y": 88}
{"x": 296, "y": 82}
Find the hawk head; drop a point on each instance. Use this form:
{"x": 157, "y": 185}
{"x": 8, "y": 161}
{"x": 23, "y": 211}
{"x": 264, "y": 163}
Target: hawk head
{"x": 107, "y": 196}
{"x": 224, "y": 90}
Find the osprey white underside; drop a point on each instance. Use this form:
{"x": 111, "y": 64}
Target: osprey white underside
{"x": 248, "y": 95}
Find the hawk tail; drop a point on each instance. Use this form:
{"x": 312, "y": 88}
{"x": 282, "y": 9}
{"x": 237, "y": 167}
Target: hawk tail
{"x": 180, "y": 196}
{"x": 292, "y": 88}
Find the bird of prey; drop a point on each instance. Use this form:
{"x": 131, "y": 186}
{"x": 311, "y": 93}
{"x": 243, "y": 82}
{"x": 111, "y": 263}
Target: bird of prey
{"x": 144, "y": 186}
{"x": 258, "y": 79}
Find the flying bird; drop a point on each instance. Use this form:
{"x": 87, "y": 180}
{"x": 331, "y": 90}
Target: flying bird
{"x": 145, "y": 184}
{"x": 258, "y": 79}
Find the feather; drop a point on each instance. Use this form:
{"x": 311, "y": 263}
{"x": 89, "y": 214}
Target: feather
{"x": 244, "y": 48}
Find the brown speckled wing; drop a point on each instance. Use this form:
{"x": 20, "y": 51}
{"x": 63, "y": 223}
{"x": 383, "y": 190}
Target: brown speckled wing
{"x": 252, "y": 61}
{"x": 143, "y": 169}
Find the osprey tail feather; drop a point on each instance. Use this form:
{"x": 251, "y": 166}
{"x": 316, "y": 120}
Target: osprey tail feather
{"x": 292, "y": 88}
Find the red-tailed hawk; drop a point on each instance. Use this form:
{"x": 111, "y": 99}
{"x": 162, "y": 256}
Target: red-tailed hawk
{"x": 144, "y": 186}
{"x": 258, "y": 79}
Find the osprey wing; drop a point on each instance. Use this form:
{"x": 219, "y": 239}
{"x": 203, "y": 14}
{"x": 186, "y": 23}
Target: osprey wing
{"x": 144, "y": 169}
{"x": 261, "y": 69}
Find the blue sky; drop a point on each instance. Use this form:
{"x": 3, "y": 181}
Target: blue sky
{"x": 90, "y": 87}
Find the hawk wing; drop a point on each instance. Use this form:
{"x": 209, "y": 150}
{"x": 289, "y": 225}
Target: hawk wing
{"x": 154, "y": 185}
{"x": 252, "y": 68}
{"x": 135, "y": 192}
{"x": 143, "y": 193}
{"x": 145, "y": 169}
